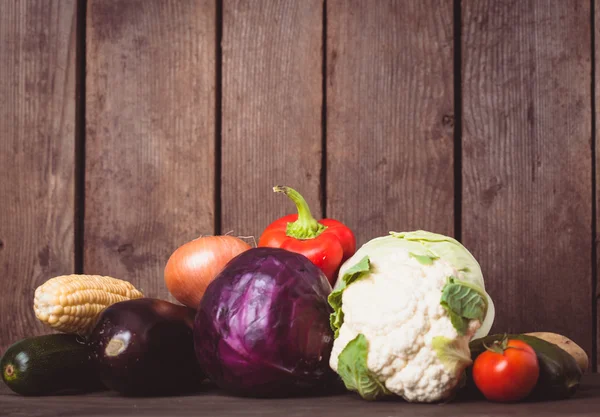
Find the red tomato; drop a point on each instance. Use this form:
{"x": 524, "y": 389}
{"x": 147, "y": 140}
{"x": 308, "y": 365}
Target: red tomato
{"x": 507, "y": 371}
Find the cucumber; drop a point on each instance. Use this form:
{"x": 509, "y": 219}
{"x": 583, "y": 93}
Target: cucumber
{"x": 559, "y": 373}
{"x": 49, "y": 365}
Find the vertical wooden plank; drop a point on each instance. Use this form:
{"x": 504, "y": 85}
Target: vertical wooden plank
{"x": 271, "y": 135}
{"x": 527, "y": 161}
{"x": 390, "y": 116}
{"x": 596, "y": 295}
{"x": 150, "y": 134}
{"x": 37, "y": 121}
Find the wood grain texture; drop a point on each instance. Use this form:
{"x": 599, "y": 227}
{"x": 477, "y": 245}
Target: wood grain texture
{"x": 150, "y": 130}
{"x": 596, "y": 296}
{"x": 390, "y": 121}
{"x": 585, "y": 403}
{"x": 37, "y": 138}
{"x": 271, "y": 121}
{"x": 527, "y": 161}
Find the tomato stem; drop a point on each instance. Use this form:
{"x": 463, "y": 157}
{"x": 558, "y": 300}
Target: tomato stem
{"x": 497, "y": 347}
{"x": 501, "y": 346}
{"x": 306, "y": 227}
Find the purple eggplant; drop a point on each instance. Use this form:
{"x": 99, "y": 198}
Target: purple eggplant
{"x": 145, "y": 347}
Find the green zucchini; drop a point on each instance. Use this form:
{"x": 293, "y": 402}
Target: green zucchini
{"x": 559, "y": 373}
{"x": 50, "y": 365}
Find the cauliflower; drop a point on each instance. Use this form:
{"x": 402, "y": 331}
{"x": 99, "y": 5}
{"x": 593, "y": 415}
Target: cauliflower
{"x": 405, "y": 308}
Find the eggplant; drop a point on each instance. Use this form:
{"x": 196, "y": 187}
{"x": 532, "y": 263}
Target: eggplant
{"x": 145, "y": 347}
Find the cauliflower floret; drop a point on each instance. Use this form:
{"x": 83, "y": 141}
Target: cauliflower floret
{"x": 398, "y": 310}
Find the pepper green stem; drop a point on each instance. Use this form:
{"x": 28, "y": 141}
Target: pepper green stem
{"x": 306, "y": 227}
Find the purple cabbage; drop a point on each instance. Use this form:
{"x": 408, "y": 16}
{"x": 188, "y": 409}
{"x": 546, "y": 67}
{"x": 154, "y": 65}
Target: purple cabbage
{"x": 262, "y": 327}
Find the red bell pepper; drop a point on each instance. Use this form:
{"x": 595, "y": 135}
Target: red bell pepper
{"x": 327, "y": 243}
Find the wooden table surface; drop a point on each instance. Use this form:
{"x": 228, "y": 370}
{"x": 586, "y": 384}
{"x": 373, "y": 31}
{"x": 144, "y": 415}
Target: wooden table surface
{"x": 586, "y": 402}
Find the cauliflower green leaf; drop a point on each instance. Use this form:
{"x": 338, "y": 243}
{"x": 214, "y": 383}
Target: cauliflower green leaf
{"x": 423, "y": 259}
{"x": 463, "y": 302}
{"x": 353, "y": 369}
{"x": 453, "y": 353}
{"x": 446, "y": 248}
{"x": 358, "y": 271}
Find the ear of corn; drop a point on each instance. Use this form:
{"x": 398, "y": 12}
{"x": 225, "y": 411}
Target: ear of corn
{"x": 72, "y": 303}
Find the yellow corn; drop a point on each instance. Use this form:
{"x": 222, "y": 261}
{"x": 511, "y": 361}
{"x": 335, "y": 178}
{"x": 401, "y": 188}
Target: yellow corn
{"x": 72, "y": 303}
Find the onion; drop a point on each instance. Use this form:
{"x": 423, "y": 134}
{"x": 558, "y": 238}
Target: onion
{"x": 195, "y": 264}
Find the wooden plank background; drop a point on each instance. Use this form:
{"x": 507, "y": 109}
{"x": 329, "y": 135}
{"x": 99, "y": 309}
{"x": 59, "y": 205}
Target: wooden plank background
{"x": 474, "y": 119}
{"x": 271, "y": 113}
{"x": 150, "y": 134}
{"x": 527, "y": 161}
{"x": 390, "y": 113}
{"x": 37, "y": 161}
